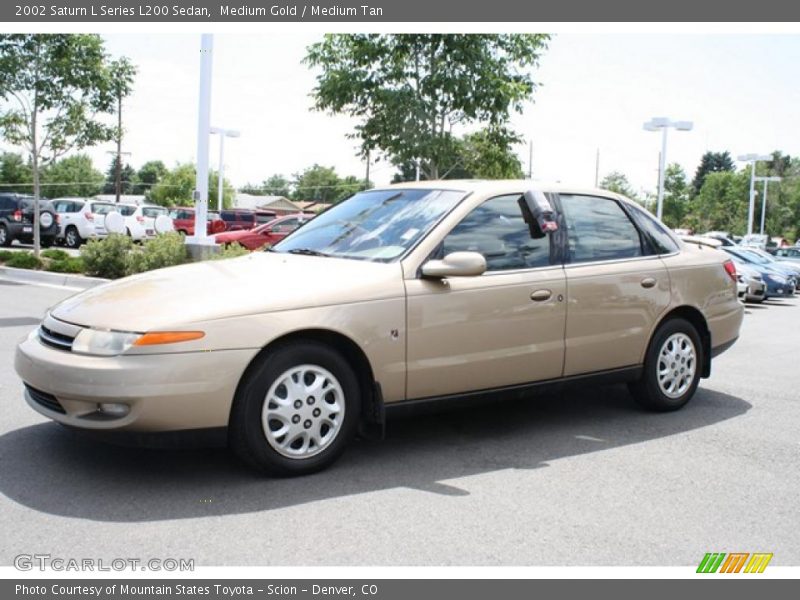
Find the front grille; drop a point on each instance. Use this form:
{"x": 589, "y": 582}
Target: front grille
{"x": 44, "y": 399}
{"x": 54, "y": 339}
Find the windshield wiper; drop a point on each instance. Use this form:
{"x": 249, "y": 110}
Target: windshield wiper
{"x": 307, "y": 252}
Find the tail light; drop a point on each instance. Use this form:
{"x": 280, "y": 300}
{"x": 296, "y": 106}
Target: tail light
{"x": 89, "y": 216}
{"x": 17, "y": 215}
{"x": 58, "y": 218}
{"x": 140, "y": 219}
{"x": 730, "y": 269}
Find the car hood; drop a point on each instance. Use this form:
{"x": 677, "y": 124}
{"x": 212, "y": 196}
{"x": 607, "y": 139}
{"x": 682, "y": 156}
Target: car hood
{"x": 230, "y": 236}
{"x": 256, "y": 283}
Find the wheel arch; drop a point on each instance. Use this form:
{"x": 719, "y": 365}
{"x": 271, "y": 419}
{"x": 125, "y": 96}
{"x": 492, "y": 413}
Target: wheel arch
{"x": 371, "y": 398}
{"x": 698, "y": 320}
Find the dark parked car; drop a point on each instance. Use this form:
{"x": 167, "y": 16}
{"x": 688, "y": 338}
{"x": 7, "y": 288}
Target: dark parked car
{"x": 779, "y": 284}
{"x": 16, "y": 220}
{"x": 183, "y": 221}
{"x": 240, "y": 218}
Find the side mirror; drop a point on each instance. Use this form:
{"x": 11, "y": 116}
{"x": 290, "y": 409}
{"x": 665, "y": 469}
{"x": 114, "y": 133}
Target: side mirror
{"x": 455, "y": 264}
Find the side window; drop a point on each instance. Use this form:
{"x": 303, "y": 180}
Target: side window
{"x": 6, "y": 203}
{"x": 60, "y": 207}
{"x": 497, "y": 230}
{"x": 227, "y": 216}
{"x": 661, "y": 240}
{"x": 287, "y": 225}
{"x": 598, "y": 229}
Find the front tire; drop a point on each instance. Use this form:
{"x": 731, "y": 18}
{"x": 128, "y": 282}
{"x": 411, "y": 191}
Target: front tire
{"x": 672, "y": 368}
{"x": 296, "y": 410}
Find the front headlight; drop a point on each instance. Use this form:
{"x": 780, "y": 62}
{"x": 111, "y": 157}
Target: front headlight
{"x": 103, "y": 343}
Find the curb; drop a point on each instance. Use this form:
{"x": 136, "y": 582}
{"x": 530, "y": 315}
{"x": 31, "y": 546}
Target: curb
{"x": 80, "y": 282}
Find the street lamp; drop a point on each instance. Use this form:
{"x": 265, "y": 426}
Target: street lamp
{"x": 752, "y": 159}
{"x": 766, "y": 181}
{"x": 663, "y": 123}
{"x": 223, "y": 133}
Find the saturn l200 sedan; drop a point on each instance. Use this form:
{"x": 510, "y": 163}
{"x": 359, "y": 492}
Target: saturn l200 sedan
{"x": 396, "y": 297}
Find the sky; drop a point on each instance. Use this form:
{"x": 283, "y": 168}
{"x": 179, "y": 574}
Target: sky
{"x": 597, "y": 90}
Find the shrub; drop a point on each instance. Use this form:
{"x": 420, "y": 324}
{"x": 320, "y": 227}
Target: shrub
{"x": 231, "y": 251}
{"x": 109, "y": 257}
{"x": 24, "y": 260}
{"x": 6, "y": 254}
{"x": 71, "y": 264}
{"x": 166, "y": 250}
{"x": 55, "y": 254}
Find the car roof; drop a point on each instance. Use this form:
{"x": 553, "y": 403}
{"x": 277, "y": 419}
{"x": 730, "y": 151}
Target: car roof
{"x": 502, "y": 186}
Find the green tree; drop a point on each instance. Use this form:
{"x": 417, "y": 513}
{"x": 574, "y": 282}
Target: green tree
{"x": 126, "y": 176}
{"x": 274, "y": 185}
{"x": 148, "y": 175}
{"x": 676, "y": 196}
{"x": 408, "y": 91}
{"x": 721, "y": 204}
{"x": 72, "y": 176}
{"x": 176, "y": 188}
{"x": 618, "y": 183}
{"x": 711, "y": 162}
{"x": 52, "y": 88}
{"x": 322, "y": 184}
{"x": 15, "y": 173}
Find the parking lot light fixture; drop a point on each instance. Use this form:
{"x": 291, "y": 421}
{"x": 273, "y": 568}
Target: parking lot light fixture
{"x": 752, "y": 159}
{"x": 223, "y": 133}
{"x": 663, "y": 124}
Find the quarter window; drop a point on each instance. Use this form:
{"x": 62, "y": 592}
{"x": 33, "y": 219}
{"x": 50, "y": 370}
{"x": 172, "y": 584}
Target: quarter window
{"x": 660, "y": 239}
{"x": 497, "y": 230}
{"x": 598, "y": 229}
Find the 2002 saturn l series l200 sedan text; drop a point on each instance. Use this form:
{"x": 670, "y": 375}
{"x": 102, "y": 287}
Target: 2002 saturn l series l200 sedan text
{"x": 392, "y": 298}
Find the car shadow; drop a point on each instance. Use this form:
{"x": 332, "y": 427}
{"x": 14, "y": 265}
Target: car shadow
{"x": 53, "y": 470}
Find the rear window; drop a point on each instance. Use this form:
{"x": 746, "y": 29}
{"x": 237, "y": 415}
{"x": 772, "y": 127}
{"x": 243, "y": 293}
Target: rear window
{"x": 152, "y": 211}
{"x": 101, "y": 208}
{"x": 264, "y": 218}
{"x": 126, "y": 211}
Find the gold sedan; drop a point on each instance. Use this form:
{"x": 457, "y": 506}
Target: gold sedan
{"x": 392, "y": 299}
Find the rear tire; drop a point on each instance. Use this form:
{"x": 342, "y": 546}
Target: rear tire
{"x": 672, "y": 368}
{"x": 5, "y": 239}
{"x": 296, "y": 410}
{"x": 72, "y": 239}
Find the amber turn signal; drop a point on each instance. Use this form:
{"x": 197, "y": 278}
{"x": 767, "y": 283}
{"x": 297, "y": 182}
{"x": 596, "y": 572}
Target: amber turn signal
{"x": 168, "y": 337}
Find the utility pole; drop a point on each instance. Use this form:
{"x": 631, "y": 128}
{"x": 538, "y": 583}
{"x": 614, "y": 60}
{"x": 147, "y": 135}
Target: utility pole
{"x": 530, "y": 159}
{"x": 118, "y": 154}
{"x": 367, "y": 168}
{"x": 597, "y": 168}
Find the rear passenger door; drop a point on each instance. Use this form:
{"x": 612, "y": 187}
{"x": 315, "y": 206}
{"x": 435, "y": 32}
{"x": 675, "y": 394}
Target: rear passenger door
{"x": 617, "y": 286}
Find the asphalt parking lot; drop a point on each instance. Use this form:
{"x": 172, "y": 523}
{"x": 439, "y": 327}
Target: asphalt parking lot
{"x": 584, "y": 478}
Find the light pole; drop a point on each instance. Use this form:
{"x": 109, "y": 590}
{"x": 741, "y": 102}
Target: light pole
{"x": 223, "y": 133}
{"x": 766, "y": 181}
{"x": 200, "y": 237}
{"x": 663, "y": 123}
{"x": 752, "y": 159}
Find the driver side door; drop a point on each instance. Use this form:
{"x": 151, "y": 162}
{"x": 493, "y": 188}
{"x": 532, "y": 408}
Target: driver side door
{"x": 502, "y": 328}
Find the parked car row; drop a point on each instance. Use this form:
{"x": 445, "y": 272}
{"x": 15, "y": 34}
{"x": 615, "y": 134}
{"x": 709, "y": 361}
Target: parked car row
{"x": 760, "y": 275}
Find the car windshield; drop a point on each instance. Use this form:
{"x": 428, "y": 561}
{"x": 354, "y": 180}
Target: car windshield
{"x": 376, "y": 225}
{"x": 756, "y": 257}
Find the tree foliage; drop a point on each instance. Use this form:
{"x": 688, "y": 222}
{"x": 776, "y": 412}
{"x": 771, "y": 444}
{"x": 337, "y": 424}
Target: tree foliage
{"x": 323, "y": 184}
{"x": 618, "y": 183}
{"x": 711, "y": 162}
{"x": 676, "y": 196}
{"x": 176, "y": 187}
{"x": 408, "y": 91}
{"x": 15, "y": 174}
{"x": 72, "y": 176}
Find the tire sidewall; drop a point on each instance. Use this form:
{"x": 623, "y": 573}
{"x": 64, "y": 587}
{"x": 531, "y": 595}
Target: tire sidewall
{"x": 657, "y": 399}
{"x": 246, "y": 420}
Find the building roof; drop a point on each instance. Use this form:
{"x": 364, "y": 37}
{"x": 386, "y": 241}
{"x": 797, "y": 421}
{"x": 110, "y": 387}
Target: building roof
{"x": 252, "y": 202}
{"x": 126, "y": 198}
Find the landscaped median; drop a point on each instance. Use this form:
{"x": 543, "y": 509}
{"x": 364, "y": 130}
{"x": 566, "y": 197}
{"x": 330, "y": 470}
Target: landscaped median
{"x": 110, "y": 258}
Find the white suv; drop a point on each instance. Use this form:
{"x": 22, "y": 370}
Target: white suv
{"x": 147, "y": 214}
{"x": 134, "y": 221}
{"x": 81, "y": 219}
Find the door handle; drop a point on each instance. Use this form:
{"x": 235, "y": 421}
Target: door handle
{"x": 541, "y": 295}
{"x": 648, "y": 282}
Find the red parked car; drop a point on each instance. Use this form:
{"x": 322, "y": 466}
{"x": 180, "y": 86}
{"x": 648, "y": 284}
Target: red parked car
{"x": 268, "y": 233}
{"x": 183, "y": 220}
{"x": 242, "y": 218}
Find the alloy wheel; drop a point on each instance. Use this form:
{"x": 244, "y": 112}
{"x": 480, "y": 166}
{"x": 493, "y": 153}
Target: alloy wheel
{"x": 677, "y": 364}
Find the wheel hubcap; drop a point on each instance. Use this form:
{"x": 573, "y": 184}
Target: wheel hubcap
{"x": 2, "y": 235}
{"x": 70, "y": 238}
{"x": 677, "y": 363}
{"x": 303, "y": 411}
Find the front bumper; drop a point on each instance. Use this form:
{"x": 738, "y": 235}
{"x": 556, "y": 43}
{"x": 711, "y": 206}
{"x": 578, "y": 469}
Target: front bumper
{"x": 165, "y": 392}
